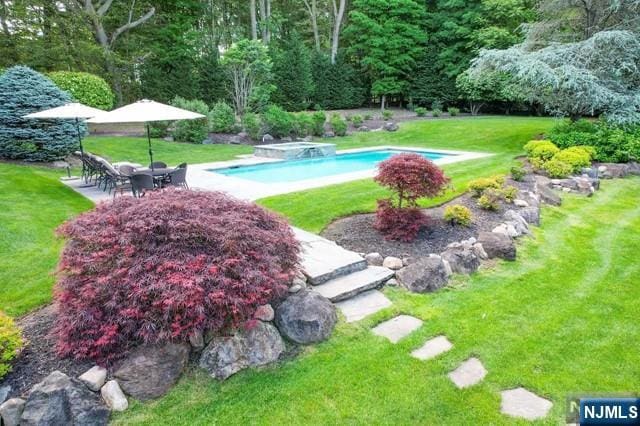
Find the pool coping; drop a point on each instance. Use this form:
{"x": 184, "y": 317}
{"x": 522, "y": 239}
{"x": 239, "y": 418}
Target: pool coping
{"x": 203, "y": 176}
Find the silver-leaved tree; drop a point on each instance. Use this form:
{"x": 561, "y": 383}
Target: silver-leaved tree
{"x": 599, "y": 75}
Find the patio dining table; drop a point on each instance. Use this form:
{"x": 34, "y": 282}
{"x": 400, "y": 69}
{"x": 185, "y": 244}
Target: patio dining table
{"x": 159, "y": 174}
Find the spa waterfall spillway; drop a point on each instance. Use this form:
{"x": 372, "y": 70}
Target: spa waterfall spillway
{"x": 295, "y": 150}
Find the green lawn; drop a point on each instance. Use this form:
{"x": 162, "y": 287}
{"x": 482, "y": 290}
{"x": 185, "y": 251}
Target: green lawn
{"x": 503, "y": 136}
{"x": 32, "y": 204}
{"x": 560, "y": 320}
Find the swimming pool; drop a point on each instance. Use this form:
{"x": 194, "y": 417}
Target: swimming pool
{"x": 297, "y": 170}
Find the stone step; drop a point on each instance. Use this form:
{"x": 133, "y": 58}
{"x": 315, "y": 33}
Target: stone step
{"x": 363, "y": 305}
{"x": 324, "y": 260}
{"x": 345, "y": 287}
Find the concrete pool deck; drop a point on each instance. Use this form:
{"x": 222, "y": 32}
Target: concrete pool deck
{"x": 200, "y": 176}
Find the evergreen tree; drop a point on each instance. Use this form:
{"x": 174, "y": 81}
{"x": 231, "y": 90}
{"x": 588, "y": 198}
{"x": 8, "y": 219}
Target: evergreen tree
{"x": 292, "y": 75}
{"x": 336, "y": 86}
{"x": 24, "y": 91}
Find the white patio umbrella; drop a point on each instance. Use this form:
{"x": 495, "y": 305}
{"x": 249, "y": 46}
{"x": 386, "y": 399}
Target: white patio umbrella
{"x": 72, "y": 111}
{"x": 145, "y": 111}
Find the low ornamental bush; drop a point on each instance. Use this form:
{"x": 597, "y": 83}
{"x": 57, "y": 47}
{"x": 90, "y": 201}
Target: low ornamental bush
{"x": 420, "y": 111}
{"x": 357, "y": 120}
{"x": 577, "y": 157}
{"x": 387, "y": 115}
{"x": 557, "y": 168}
{"x": 338, "y": 124}
{"x": 278, "y": 122}
{"x": 509, "y": 193}
{"x": 88, "y": 89}
{"x": 319, "y": 118}
{"x": 410, "y": 177}
{"x": 10, "y": 343}
{"x": 453, "y": 111}
{"x": 437, "y": 112}
{"x": 518, "y": 173}
{"x": 303, "y": 124}
{"x": 478, "y": 186}
{"x": 457, "y": 214}
{"x": 251, "y": 125}
{"x": 191, "y": 131}
{"x": 490, "y": 199}
{"x": 222, "y": 118}
{"x": 160, "y": 268}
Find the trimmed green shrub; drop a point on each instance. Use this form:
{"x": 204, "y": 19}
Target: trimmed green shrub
{"x": 357, "y": 120}
{"x": 303, "y": 124}
{"x": 490, "y": 199}
{"x": 10, "y": 343}
{"x": 577, "y": 157}
{"x": 544, "y": 150}
{"x": 319, "y": 118}
{"x": 420, "y": 111}
{"x": 557, "y": 168}
{"x": 457, "y": 215}
{"x": 159, "y": 129}
{"x": 437, "y": 104}
{"x": 387, "y": 115}
{"x": 368, "y": 116}
{"x": 24, "y": 91}
{"x": 509, "y": 193}
{"x": 191, "y": 131}
{"x": 518, "y": 173}
{"x": 531, "y": 145}
{"x": 251, "y": 125}
{"x": 222, "y": 118}
{"x": 453, "y": 111}
{"x": 338, "y": 125}
{"x": 88, "y": 89}
{"x": 478, "y": 186}
{"x": 436, "y": 112}
{"x": 278, "y": 122}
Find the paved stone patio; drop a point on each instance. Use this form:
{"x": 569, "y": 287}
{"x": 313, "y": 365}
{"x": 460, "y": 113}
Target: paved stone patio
{"x": 397, "y": 328}
{"x": 520, "y": 402}
{"x": 432, "y": 348}
{"x": 468, "y": 373}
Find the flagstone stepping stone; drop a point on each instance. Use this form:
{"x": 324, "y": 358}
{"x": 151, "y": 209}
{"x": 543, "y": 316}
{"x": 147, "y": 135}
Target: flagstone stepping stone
{"x": 468, "y": 373}
{"x": 397, "y": 328}
{"x": 520, "y": 402}
{"x": 432, "y": 348}
{"x": 363, "y": 305}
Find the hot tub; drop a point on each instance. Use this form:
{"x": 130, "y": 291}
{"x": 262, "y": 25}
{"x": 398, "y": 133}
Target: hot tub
{"x": 295, "y": 150}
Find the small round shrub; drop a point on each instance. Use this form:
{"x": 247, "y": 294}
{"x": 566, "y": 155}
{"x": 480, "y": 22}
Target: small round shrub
{"x": 303, "y": 124}
{"x": 162, "y": 267}
{"x": 420, "y": 111}
{"x": 478, "y": 186}
{"x": 436, "y": 112}
{"x": 10, "y": 343}
{"x": 557, "y": 168}
{"x": 278, "y": 122}
{"x": 368, "y": 116}
{"x": 222, "y": 118}
{"x": 490, "y": 199}
{"x": 251, "y": 125}
{"x": 159, "y": 129}
{"x": 543, "y": 149}
{"x": 518, "y": 173}
{"x": 457, "y": 215}
{"x": 577, "y": 157}
{"x": 319, "y": 118}
{"x": 357, "y": 120}
{"x": 437, "y": 104}
{"x": 88, "y": 89}
{"x": 509, "y": 193}
{"x": 453, "y": 111}
{"x": 399, "y": 224}
{"x": 387, "y": 114}
{"x": 191, "y": 131}
{"x": 338, "y": 125}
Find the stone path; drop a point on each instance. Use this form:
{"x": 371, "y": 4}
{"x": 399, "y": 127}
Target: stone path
{"x": 397, "y": 328}
{"x": 468, "y": 373}
{"x": 363, "y": 305}
{"x": 432, "y": 348}
{"x": 520, "y": 402}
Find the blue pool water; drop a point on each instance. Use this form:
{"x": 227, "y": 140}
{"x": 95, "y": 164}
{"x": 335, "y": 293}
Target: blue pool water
{"x": 296, "y": 170}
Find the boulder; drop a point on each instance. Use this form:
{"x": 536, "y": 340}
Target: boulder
{"x": 149, "y": 371}
{"x": 461, "y": 260}
{"x": 390, "y": 126}
{"x": 363, "y": 129}
{"x": 227, "y": 355}
{"x": 613, "y": 170}
{"x": 447, "y": 267}
{"x": 517, "y": 221}
{"x": 286, "y": 139}
{"x": 4, "y": 393}
{"x": 407, "y": 261}
{"x": 374, "y": 259}
{"x": 549, "y": 196}
{"x": 264, "y": 313}
{"x": 585, "y": 185}
{"x": 531, "y": 215}
{"x": 267, "y": 138}
{"x": 11, "y": 411}
{"x": 393, "y": 263}
{"x": 306, "y": 317}
{"x": 94, "y": 377}
{"x": 295, "y": 288}
{"x": 61, "y": 400}
{"x": 506, "y": 229}
{"x": 426, "y": 274}
{"x": 329, "y": 134}
{"x": 497, "y": 245}
{"x": 634, "y": 168}
{"x": 113, "y": 396}
{"x": 479, "y": 251}
{"x": 520, "y": 203}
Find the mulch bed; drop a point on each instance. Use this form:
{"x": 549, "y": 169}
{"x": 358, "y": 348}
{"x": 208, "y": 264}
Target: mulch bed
{"x": 357, "y": 233}
{"x": 38, "y": 358}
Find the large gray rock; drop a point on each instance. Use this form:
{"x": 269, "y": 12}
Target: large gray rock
{"x": 634, "y": 168}
{"x": 549, "y": 196}
{"x": 613, "y": 170}
{"x": 94, "y": 378}
{"x": 11, "y": 411}
{"x": 517, "y": 221}
{"x": 390, "y": 126}
{"x": 374, "y": 259}
{"x": 60, "y": 400}
{"x": 226, "y": 356}
{"x": 113, "y": 396}
{"x": 531, "y": 215}
{"x": 306, "y": 317}
{"x": 426, "y": 274}
{"x": 497, "y": 245}
{"x": 462, "y": 260}
{"x": 149, "y": 371}
{"x": 4, "y": 393}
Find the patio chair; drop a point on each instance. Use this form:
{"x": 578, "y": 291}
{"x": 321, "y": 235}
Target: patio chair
{"x": 178, "y": 177}
{"x": 126, "y": 170}
{"x": 141, "y": 183}
{"x": 181, "y": 166}
{"x": 158, "y": 165}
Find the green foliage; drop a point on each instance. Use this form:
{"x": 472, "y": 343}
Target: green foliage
{"x": 191, "y": 131}
{"x": 420, "y": 111}
{"x": 292, "y": 75}
{"x": 509, "y": 193}
{"x": 483, "y": 86}
{"x": 368, "y": 116}
{"x": 518, "y": 173}
{"x": 387, "y": 114}
{"x": 319, "y": 118}
{"x": 457, "y": 214}
{"x": 542, "y": 149}
{"x": 10, "y": 343}
{"x": 303, "y": 124}
{"x": 478, "y": 186}
{"x": 453, "y": 111}
{"x": 437, "y": 112}
{"x": 336, "y": 86}
{"x": 490, "y": 199}
{"x": 159, "y": 129}
{"x": 278, "y": 122}
{"x": 338, "y": 124}
{"x": 357, "y": 120}
{"x": 222, "y": 119}
{"x": 88, "y": 89}
{"x": 252, "y": 125}
{"x": 24, "y": 91}
{"x": 577, "y": 157}
{"x": 557, "y": 168}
